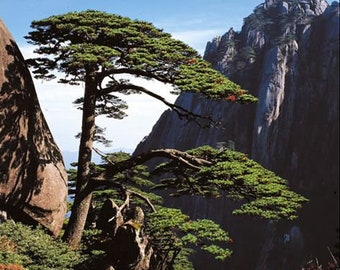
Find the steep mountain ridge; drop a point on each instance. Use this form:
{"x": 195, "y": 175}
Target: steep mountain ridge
{"x": 287, "y": 54}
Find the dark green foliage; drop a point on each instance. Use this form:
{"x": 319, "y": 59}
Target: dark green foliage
{"x": 113, "y": 45}
{"x": 171, "y": 232}
{"x": 223, "y": 172}
{"x": 33, "y": 248}
{"x": 97, "y": 49}
{"x": 99, "y": 136}
{"x": 232, "y": 173}
{"x": 134, "y": 178}
{"x": 106, "y": 52}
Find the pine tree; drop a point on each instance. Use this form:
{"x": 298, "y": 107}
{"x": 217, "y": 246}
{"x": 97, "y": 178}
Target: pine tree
{"x": 96, "y": 49}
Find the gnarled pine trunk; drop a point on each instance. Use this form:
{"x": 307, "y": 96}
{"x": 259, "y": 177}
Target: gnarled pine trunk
{"x": 83, "y": 195}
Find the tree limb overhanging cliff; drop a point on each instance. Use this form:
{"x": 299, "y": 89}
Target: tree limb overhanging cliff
{"x": 287, "y": 54}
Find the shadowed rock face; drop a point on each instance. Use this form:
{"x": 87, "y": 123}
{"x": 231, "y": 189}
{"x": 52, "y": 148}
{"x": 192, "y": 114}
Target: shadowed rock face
{"x": 293, "y": 67}
{"x": 33, "y": 181}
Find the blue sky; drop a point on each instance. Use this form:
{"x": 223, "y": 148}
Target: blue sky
{"x": 193, "y": 21}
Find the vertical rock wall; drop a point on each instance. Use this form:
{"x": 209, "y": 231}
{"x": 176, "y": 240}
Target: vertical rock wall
{"x": 287, "y": 54}
{"x": 33, "y": 181}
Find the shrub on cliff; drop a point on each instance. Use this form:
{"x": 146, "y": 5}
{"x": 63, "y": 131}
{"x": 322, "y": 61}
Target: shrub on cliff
{"x": 34, "y": 249}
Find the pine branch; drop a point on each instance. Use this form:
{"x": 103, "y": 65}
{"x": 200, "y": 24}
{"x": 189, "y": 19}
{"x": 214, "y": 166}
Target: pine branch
{"x": 184, "y": 158}
{"x": 146, "y": 199}
{"x": 101, "y": 182}
{"x": 138, "y": 73}
{"x": 180, "y": 111}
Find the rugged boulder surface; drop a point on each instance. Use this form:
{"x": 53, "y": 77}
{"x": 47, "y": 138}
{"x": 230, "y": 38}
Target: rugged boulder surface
{"x": 33, "y": 181}
{"x": 287, "y": 54}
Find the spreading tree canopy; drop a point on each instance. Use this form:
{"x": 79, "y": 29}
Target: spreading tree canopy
{"x": 104, "y": 52}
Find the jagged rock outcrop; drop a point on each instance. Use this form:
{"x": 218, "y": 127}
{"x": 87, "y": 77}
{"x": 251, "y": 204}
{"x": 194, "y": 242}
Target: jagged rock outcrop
{"x": 287, "y": 54}
{"x": 124, "y": 240}
{"x": 33, "y": 181}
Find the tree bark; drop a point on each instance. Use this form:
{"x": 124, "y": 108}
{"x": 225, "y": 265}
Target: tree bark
{"x": 83, "y": 197}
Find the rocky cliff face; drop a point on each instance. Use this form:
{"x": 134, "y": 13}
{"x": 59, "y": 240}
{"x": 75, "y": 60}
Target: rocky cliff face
{"x": 287, "y": 54}
{"x": 33, "y": 181}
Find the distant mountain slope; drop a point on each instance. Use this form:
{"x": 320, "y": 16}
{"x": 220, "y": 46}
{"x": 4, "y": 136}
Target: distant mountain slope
{"x": 287, "y": 54}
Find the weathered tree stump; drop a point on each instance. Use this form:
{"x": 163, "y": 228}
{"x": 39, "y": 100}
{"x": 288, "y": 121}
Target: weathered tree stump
{"x": 129, "y": 246}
